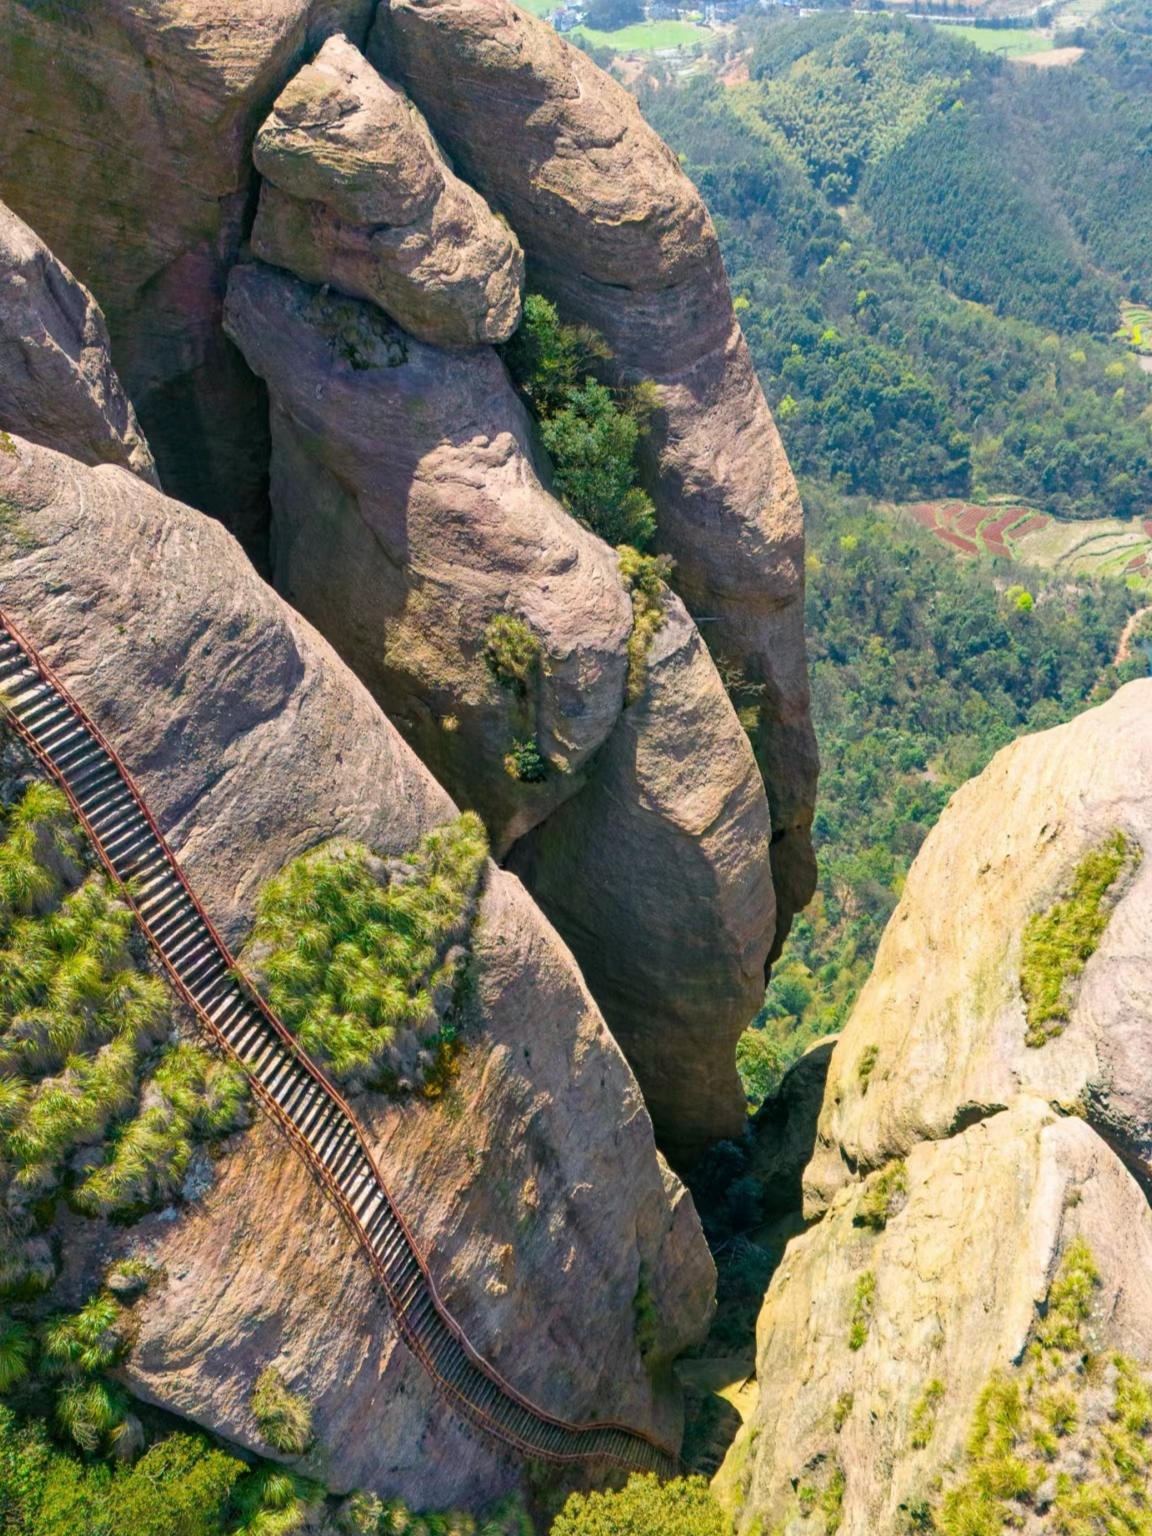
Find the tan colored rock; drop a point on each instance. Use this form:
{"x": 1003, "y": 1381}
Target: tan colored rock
{"x": 657, "y": 874}
{"x": 57, "y": 383}
{"x": 942, "y": 1014}
{"x": 408, "y": 516}
{"x": 534, "y": 1185}
{"x": 125, "y": 138}
{"x": 962, "y": 1273}
{"x": 615, "y": 232}
{"x": 357, "y": 194}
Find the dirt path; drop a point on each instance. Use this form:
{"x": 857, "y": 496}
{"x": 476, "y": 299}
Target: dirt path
{"x": 1124, "y": 649}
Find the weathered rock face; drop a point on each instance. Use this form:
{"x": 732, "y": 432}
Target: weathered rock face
{"x": 125, "y": 135}
{"x": 782, "y": 1132}
{"x": 615, "y": 232}
{"x": 943, "y": 1016}
{"x": 533, "y": 1186}
{"x": 657, "y": 874}
{"x": 408, "y": 516}
{"x": 356, "y": 194}
{"x": 57, "y": 384}
{"x": 962, "y": 1274}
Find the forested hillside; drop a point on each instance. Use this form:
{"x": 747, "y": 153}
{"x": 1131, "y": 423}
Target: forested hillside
{"x": 929, "y": 249}
{"x": 920, "y": 239}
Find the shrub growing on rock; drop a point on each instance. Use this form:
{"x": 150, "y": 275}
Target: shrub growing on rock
{"x": 646, "y": 577}
{"x": 354, "y": 949}
{"x": 1059, "y": 943}
{"x": 591, "y": 432}
{"x": 511, "y": 651}
{"x": 284, "y": 1416}
{"x": 685, "y": 1506}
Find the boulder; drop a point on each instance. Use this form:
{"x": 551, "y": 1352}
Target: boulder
{"x": 939, "y": 1036}
{"x": 533, "y": 1184}
{"x": 57, "y": 384}
{"x": 657, "y": 874}
{"x": 357, "y": 194}
{"x": 408, "y": 518}
{"x": 126, "y": 134}
{"x": 782, "y": 1132}
{"x": 615, "y": 233}
{"x": 875, "y": 1345}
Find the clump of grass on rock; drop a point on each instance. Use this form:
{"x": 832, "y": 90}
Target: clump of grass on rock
{"x": 96, "y": 1098}
{"x": 284, "y": 1416}
{"x": 1060, "y": 942}
{"x": 355, "y": 949}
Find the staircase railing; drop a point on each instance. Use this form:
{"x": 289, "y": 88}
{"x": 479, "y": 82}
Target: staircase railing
{"x": 294, "y": 1091}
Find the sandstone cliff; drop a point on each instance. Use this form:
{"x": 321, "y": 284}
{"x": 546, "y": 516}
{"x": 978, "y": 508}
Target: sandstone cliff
{"x": 981, "y": 1229}
{"x": 657, "y": 872}
{"x": 57, "y": 384}
{"x": 125, "y": 142}
{"x": 615, "y": 232}
{"x": 533, "y": 1184}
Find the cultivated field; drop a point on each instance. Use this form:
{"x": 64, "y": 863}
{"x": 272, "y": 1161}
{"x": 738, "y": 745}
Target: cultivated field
{"x": 648, "y": 36}
{"x": 1095, "y": 547}
{"x": 1009, "y": 41}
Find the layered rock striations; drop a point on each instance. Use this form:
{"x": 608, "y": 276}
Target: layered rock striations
{"x": 356, "y": 194}
{"x": 980, "y": 1174}
{"x": 125, "y": 142}
{"x": 533, "y": 1183}
{"x": 616, "y": 234}
{"x": 57, "y": 384}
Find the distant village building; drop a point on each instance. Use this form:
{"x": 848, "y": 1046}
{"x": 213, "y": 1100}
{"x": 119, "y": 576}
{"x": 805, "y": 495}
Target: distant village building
{"x": 565, "y": 17}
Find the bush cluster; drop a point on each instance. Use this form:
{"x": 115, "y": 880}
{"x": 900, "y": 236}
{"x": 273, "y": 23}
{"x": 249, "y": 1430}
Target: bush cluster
{"x": 96, "y": 1100}
{"x": 354, "y": 951}
{"x": 590, "y": 430}
{"x": 1059, "y": 943}
{"x": 645, "y": 1507}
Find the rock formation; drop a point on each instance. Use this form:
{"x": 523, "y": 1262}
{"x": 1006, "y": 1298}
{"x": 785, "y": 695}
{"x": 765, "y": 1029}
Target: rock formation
{"x": 125, "y": 142}
{"x": 616, "y": 234}
{"x": 533, "y": 1185}
{"x": 972, "y": 1145}
{"x": 408, "y": 517}
{"x": 57, "y": 384}
{"x": 657, "y": 874}
{"x": 874, "y": 1347}
{"x": 357, "y": 194}
{"x": 658, "y": 871}
{"x": 942, "y": 1016}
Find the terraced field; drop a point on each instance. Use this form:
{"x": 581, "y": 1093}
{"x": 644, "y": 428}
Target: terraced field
{"x": 1097, "y": 547}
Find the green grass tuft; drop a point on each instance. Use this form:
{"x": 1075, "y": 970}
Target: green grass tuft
{"x": 1058, "y": 943}
{"x": 924, "y": 1413}
{"x": 863, "y": 1305}
{"x": 353, "y": 952}
{"x": 284, "y": 1416}
{"x": 884, "y": 1195}
{"x": 646, "y": 577}
{"x": 511, "y": 650}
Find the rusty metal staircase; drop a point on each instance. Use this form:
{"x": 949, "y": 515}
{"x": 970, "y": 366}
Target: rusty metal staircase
{"x": 293, "y": 1090}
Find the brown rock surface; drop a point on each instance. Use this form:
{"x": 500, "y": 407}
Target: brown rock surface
{"x": 533, "y": 1185}
{"x": 943, "y": 1010}
{"x": 125, "y": 135}
{"x": 962, "y": 1274}
{"x": 57, "y": 384}
{"x": 615, "y": 232}
{"x": 657, "y": 875}
{"x": 357, "y": 194}
{"x": 408, "y": 515}
{"x": 782, "y": 1132}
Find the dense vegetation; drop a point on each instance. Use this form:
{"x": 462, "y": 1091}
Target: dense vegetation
{"x": 354, "y": 951}
{"x": 645, "y": 1507}
{"x": 922, "y": 666}
{"x": 871, "y": 183}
